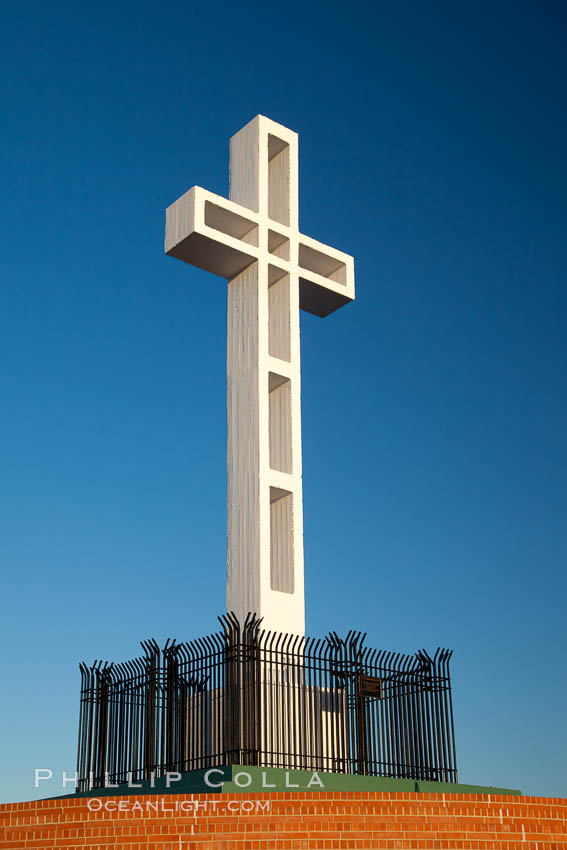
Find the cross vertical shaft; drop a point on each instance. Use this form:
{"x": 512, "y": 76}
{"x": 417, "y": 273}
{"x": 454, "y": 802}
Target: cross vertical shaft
{"x": 265, "y": 504}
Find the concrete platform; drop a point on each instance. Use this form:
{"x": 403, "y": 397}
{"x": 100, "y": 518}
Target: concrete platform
{"x": 240, "y": 779}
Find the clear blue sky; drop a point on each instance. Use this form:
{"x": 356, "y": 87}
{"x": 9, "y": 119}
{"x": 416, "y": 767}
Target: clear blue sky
{"x": 432, "y": 148}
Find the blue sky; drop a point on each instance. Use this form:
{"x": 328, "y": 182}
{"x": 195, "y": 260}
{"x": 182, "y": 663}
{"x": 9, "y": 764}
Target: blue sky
{"x": 432, "y": 148}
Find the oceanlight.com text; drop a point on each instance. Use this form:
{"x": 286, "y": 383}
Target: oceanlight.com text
{"x": 164, "y": 805}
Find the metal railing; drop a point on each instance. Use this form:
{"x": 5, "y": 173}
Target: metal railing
{"x": 251, "y": 697}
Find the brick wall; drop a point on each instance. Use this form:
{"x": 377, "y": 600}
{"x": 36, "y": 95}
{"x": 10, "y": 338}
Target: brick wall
{"x": 338, "y": 820}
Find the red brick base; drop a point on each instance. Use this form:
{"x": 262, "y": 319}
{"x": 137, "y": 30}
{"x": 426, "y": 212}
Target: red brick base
{"x": 288, "y": 820}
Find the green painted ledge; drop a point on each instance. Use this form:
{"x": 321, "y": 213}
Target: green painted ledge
{"x": 239, "y": 779}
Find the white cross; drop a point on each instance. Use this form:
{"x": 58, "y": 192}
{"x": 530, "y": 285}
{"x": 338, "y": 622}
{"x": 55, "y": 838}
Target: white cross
{"x": 253, "y": 240}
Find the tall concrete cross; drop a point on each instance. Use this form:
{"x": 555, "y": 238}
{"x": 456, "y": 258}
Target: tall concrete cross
{"x": 273, "y": 271}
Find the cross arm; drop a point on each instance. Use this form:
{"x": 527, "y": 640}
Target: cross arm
{"x": 326, "y": 277}
{"x": 208, "y": 231}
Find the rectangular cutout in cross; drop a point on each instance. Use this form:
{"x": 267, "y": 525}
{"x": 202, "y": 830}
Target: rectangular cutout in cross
{"x": 275, "y": 273}
{"x": 278, "y": 179}
{"x": 231, "y": 223}
{"x": 280, "y": 423}
{"x": 278, "y": 244}
{"x": 281, "y": 541}
{"x": 322, "y": 264}
{"x": 279, "y": 331}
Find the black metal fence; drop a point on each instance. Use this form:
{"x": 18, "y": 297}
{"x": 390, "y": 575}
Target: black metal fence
{"x": 250, "y": 697}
